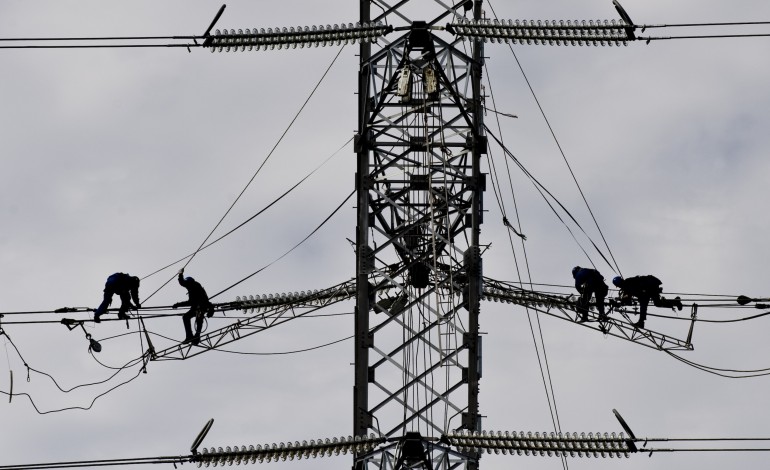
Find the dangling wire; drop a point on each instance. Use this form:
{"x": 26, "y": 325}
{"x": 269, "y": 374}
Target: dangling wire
{"x": 549, "y": 389}
{"x": 561, "y": 151}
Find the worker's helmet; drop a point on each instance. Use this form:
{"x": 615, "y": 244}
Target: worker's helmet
{"x": 617, "y": 281}
{"x": 575, "y": 270}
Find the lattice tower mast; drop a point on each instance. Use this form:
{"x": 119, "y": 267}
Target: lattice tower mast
{"x": 419, "y": 211}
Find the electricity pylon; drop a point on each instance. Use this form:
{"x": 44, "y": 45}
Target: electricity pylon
{"x": 418, "y": 261}
{"x": 419, "y": 279}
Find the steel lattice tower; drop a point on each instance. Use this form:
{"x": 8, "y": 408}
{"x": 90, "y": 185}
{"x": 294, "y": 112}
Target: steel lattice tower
{"x": 419, "y": 279}
{"x": 418, "y": 263}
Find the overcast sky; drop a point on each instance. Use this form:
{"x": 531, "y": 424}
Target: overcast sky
{"x": 125, "y": 159}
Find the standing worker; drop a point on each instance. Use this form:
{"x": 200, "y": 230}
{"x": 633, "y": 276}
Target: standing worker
{"x": 644, "y": 288}
{"x": 589, "y": 282}
{"x": 199, "y": 304}
{"x": 127, "y": 287}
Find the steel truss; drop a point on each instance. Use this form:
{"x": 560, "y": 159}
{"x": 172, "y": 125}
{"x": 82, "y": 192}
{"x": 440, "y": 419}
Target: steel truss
{"x": 418, "y": 273}
{"x": 419, "y": 282}
{"x": 564, "y": 308}
{"x": 271, "y": 311}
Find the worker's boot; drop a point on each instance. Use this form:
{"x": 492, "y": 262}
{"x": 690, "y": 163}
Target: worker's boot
{"x": 582, "y": 310}
{"x": 189, "y": 339}
{"x": 122, "y": 315}
{"x": 639, "y": 324}
{"x": 602, "y": 317}
{"x": 96, "y": 318}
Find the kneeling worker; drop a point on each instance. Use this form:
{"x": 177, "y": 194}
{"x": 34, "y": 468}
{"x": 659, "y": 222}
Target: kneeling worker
{"x": 589, "y": 282}
{"x": 644, "y": 288}
{"x": 127, "y": 287}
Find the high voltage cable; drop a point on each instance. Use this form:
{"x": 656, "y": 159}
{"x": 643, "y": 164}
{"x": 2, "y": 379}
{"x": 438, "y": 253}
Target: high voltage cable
{"x": 102, "y": 46}
{"x": 11, "y": 394}
{"x": 230, "y": 306}
{"x": 706, "y": 36}
{"x": 99, "y": 463}
{"x": 110, "y": 42}
{"x": 766, "y": 370}
{"x": 280, "y": 139}
{"x": 86, "y": 408}
{"x": 540, "y": 187}
{"x": 702, "y": 320}
{"x": 195, "y": 38}
{"x": 275, "y": 353}
{"x": 561, "y": 151}
{"x": 289, "y": 251}
{"x": 719, "y": 372}
{"x": 716, "y": 371}
{"x": 276, "y": 200}
{"x": 99, "y": 38}
{"x": 296, "y": 351}
{"x": 270, "y": 154}
{"x": 687, "y": 25}
{"x": 552, "y": 396}
{"x": 32, "y": 369}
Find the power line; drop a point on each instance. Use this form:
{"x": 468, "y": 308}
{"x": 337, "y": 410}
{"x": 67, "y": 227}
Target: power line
{"x": 687, "y": 25}
{"x": 84, "y": 408}
{"x": 99, "y": 38}
{"x": 745, "y": 373}
{"x": 705, "y": 36}
{"x": 272, "y": 150}
{"x": 289, "y": 251}
{"x": 561, "y": 151}
{"x": 543, "y": 191}
{"x": 102, "y": 46}
{"x": 280, "y": 139}
{"x": 258, "y": 213}
{"x": 701, "y": 299}
{"x": 101, "y": 42}
{"x": 296, "y": 351}
{"x": 100, "y": 463}
{"x": 549, "y": 390}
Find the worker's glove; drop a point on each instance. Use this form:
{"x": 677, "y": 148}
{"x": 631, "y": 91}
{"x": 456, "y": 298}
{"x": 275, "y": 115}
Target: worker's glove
{"x": 181, "y": 271}
{"x": 137, "y": 307}
{"x": 175, "y": 305}
{"x": 210, "y": 313}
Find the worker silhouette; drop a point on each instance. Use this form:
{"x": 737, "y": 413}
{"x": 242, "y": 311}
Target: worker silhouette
{"x": 589, "y": 282}
{"x": 643, "y": 288}
{"x": 127, "y": 287}
{"x": 199, "y": 304}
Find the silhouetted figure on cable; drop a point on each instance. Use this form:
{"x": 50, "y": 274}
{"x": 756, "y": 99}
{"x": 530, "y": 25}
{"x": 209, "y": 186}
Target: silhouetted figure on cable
{"x": 199, "y": 305}
{"x": 643, "y": 288}
{"x": 127, "y": 287}
{"x": 589, "y": 282}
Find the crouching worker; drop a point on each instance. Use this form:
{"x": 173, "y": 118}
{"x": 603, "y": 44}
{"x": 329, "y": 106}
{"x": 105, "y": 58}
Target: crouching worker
{"x": 589, "y": 282}
{"x": 199, "y": 304}
{"x": 127, "y": 287}
{"x": 644, "y": 288}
